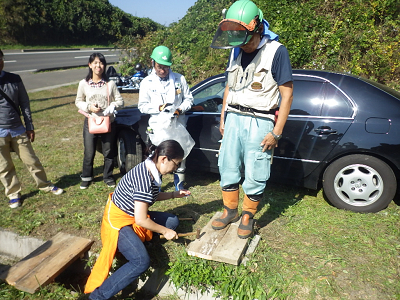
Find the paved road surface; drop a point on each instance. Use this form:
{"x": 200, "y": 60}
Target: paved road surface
{"x": 26, "y": 63}
{"x": 52, "y": 79}
{"x": 35, "y": 82}
{"x": 24, "y": 60}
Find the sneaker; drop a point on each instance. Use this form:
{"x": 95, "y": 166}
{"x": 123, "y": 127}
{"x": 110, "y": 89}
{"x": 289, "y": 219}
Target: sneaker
{"x": 14, "y": 203}
{"x": 85, "y": 185}
{"x": 56, "y": 190}
{"x": 178, "y": 181}
{"x": 111, "y": 184}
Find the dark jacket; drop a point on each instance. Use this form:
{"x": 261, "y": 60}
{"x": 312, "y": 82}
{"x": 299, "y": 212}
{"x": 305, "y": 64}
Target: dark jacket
{"x": 13, "y": 86}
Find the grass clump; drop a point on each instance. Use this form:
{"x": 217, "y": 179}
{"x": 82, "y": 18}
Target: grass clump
{"x": 239, "y": 282}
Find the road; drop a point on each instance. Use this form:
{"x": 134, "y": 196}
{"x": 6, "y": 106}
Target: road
{"x": 65, "y": 62}
{"x": 33, "y": 61}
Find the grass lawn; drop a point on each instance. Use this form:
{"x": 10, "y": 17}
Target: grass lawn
{"x": 308, "y": 249}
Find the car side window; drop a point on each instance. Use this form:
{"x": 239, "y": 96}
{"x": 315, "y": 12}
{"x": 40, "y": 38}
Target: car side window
{"x": 211, "y": 97}
{"x": 336, "y": 104}
{"x": 308, "y": 97}
{"x": 214, "y": 90}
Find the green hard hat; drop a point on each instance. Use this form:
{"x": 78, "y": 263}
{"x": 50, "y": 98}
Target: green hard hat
{"x": 162, "y": 55}
{"x": 244, "y": 11}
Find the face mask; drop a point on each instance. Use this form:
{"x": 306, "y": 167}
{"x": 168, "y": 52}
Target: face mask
{"x": 234, "y": 33}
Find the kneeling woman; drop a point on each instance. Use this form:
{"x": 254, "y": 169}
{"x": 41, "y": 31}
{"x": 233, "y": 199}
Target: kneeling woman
{"x": 127, "y": 222}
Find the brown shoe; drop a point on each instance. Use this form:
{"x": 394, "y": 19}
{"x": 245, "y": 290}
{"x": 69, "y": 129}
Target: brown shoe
{"x": 228, "y": 216}
{"x": 246, "y": 225}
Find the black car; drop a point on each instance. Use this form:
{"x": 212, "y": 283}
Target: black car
{"x": 343, "y": 133}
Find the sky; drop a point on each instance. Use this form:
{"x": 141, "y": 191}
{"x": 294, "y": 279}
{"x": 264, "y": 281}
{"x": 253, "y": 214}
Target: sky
{"x": 161, "y": 11}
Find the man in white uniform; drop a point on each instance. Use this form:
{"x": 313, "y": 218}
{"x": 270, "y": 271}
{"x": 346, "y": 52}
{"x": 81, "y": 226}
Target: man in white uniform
{"x": 164, "y": 91}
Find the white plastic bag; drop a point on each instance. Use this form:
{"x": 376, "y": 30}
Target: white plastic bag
{"x": 169, "y": 128}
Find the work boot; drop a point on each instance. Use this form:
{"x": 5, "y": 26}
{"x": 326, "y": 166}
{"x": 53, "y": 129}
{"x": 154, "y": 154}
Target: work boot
{"x": 230, "y": 214}
{"x": 179, "y": 179}
{"x": 246, "y": 224}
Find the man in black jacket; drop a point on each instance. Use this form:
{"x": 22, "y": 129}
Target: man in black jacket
{"x": 14, "y": 136}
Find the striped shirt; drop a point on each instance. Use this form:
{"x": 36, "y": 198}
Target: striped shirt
{"x": 136, "y": 185}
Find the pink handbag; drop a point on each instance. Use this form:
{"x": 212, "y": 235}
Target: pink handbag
{"x": 98, "y": 124}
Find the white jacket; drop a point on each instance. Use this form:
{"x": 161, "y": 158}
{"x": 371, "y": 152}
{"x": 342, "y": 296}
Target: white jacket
{"x": 153, "y": 94}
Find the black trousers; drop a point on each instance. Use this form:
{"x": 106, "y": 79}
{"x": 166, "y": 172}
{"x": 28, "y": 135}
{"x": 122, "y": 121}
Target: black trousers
{"x": 108, "y": 142}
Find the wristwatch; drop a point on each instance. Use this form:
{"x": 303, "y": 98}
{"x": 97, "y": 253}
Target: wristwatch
{"x": 277, "y": 137}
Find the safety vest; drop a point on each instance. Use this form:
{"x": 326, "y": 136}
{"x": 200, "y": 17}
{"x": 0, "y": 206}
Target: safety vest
{"x": 255, "y": 86}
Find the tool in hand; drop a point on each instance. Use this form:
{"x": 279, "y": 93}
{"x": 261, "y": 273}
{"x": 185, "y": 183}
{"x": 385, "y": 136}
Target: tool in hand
{"x": 186, "y": 219}
{"x": 197, "y": 233}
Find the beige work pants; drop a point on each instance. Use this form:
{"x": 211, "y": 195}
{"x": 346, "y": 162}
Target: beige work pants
{"x": 8, "y": 176}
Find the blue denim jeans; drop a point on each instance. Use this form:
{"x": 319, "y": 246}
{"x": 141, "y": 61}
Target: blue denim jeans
{"x": 133, "y": 249}
{"x": 108, "y": 142}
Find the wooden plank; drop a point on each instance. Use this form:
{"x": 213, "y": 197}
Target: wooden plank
{"x": 208, "y": 241}
{"x": 219, "y": 245}
{"x": 28, "y": 263}
{"x": 48, "y": 261}
{"x": 231, "y": 248}
{"x": 51, "y": 267}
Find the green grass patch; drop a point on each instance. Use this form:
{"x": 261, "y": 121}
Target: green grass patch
{"x": 308, "y": 249}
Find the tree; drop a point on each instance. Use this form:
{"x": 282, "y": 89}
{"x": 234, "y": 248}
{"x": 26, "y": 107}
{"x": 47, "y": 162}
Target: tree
{"x": 64, "y": 22}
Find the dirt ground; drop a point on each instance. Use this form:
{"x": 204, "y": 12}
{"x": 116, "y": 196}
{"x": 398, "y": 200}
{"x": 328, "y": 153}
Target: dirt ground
{"x": 130, "y": 98}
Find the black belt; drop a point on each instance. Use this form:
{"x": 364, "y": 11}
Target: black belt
{"x": 253, "y": 110}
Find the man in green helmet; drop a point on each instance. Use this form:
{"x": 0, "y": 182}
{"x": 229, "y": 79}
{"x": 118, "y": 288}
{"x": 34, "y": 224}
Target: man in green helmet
{"x": 164, "y": 91}
{"x": 259, "y": 74}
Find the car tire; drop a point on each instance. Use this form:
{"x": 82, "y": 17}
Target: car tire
{"x": 359, "y": 183}
{"x": 129, "y": 150}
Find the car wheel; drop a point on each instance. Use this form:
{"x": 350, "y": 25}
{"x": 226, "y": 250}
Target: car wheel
{"x": 360, "y": 183}
{"x": 130, "y": 150}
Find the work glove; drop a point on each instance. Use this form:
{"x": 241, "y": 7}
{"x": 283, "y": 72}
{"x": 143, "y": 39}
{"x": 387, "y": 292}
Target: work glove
{"x": 164, "y": 106}
{"x": 110, "y": 110}
{"x": 177, "y": 112}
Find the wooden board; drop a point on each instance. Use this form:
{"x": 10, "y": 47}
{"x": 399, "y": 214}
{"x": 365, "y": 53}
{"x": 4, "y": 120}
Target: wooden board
{"x": 45, "y": 263}
{"x": 219, "y": 245}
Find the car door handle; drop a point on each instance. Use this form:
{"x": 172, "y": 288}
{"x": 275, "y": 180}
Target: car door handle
{"x": 325, "y": 130}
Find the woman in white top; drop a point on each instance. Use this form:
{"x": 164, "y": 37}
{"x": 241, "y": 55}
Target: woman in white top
{"x": 98, "y": 96}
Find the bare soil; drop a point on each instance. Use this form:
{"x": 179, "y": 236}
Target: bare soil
{"x": 130, "y": 98}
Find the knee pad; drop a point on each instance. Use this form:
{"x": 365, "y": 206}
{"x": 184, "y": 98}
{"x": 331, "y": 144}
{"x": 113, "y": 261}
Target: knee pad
{"x": 255, "y": 198}
{"x": 231, "y": 187}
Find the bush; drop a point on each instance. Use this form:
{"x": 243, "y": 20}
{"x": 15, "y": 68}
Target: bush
{"x": 359, "y": 37}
